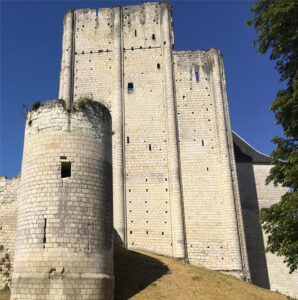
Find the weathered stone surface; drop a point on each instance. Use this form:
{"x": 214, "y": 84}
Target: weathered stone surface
{"x": 176, "y": 188}
{"x": 64, "y": 238}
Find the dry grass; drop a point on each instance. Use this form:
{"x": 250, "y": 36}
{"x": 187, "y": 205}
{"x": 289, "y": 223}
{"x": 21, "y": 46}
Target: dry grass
{"x": 4, "y": 295}
{"x": 145, "y": 276}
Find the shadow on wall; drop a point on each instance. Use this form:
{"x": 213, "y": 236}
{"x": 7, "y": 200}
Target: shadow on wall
{"x": 252, "y": 227}
{"x": 134, "y": 272}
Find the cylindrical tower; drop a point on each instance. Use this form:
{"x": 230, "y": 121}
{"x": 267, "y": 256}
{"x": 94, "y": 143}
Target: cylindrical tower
{"x": 64, "y": 247}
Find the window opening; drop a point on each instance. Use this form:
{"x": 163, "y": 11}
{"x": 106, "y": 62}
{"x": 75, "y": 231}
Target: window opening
{"x": 65, "y": 169}
{"x": 158, "y": 66}
{"x": 44, "y": 232}
{"x": 127, "y": 139}
{"x": 149, "y": 147}
{"x": 153, "y": 36}
{"x": 130, "y": 87}
{"x": 197, "y": 76}
{"x": 135, "y": 33}
{"x": 202, "y": 142}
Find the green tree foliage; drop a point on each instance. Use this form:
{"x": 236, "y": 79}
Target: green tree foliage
{"x": 276, "y": 25}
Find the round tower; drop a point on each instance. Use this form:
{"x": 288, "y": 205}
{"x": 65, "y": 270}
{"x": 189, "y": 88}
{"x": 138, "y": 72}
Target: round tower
{"x": 64, "y": 247}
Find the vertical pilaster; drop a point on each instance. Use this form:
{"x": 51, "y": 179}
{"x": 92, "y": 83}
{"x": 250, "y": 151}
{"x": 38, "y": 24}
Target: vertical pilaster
{"x": 230, "y": 191}
{"x": 66, "y": 74}
{"x": 178, "y": 234}
{"x": 233, "y": 174}
{"x": 117, "y": 127}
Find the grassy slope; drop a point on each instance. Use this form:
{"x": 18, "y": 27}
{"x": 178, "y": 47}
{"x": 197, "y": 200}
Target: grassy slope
{"x": 4, "y": 295}
{"x": 146, "y": 276}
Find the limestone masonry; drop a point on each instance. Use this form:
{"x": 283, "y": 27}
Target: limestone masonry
{"x": 64, "y": 247}
{"x": 184, "y": 185}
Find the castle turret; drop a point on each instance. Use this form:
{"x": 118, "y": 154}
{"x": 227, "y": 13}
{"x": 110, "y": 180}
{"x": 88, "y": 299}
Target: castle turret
{"x": 64, "y": 245}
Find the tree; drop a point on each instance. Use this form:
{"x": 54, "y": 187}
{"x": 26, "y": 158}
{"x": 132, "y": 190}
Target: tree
{"x": 276, "y": 25}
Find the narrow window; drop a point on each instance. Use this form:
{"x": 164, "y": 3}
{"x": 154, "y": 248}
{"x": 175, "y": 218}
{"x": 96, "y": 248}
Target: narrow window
{"x": 153, "y": 36}
{"x": 149, "y": 147}
{"x": 130, "y": 87}
{"x": 127, "y": 139}
{"x": 130, "y": 232}
{"x": 202, "y": 142}
{"x": 65, "y": 169}
{"x": 135, "y": 33}
{"x": 44, "y": 232}
{"x": 197, "y": 76}
{"x": 158, "y": 66}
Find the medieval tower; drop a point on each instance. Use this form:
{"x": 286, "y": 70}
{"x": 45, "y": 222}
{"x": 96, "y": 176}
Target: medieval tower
{"x": 169, "y": 113}
{"x": 64, "y": 247}
{"x": 183, "y": 184}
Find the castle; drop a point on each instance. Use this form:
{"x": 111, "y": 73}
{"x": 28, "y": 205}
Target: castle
{"x": 184, "y": 185}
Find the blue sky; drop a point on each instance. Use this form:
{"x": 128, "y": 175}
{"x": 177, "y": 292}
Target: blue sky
{"x": 31, "y": 38}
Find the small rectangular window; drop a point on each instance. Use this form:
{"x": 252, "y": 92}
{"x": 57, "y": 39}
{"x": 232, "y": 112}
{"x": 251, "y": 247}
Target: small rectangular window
{"x": 44, "y": 232}
{"x": 158, "y": 66}
{"x": 149, "y": 147}
{"x": 135, "y": 33}
{"x": 130, "y": 87}
{"x": 197, "y": 76}
{"x": 127, "y": 139}
{"x": 153, "y": 36}
{"x": 65, "y": 169}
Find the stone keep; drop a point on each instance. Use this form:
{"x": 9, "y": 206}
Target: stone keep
{"x": 64, "y": 247}
{"x": 170, "y": 113}
{"x": 184, "y": 184}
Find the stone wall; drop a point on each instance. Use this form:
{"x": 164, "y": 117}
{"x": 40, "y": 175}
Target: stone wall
{"x": 209, "y": 198}
{"x": 124, "y": 58}
{"x": 267, "y": 270}
{"x": 175, "y": 185}
{"x": 64, "y": 236}
{"x": 8, "y": 222}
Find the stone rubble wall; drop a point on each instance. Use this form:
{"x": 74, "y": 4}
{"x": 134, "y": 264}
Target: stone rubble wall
{"x": 8, "y": 223}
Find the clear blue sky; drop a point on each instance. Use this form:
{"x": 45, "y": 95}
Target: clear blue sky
{"x": 31, "y": 38}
